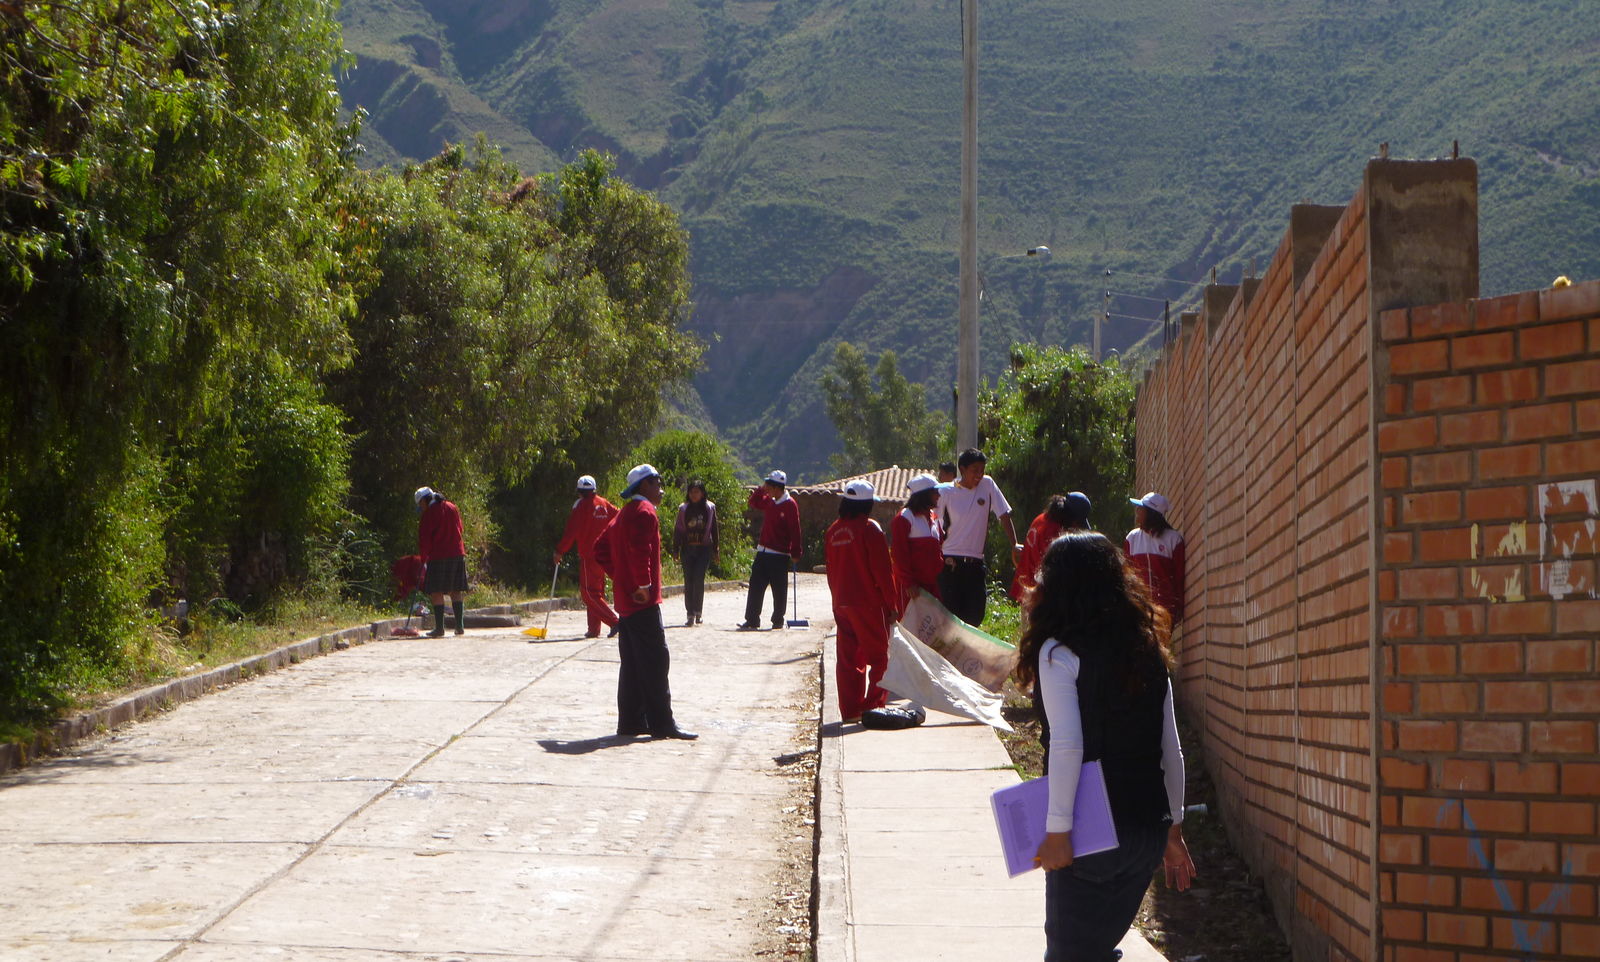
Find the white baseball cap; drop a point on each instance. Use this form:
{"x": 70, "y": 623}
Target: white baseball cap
{"x": 422, "y": 492}
{"x": 778, "y": 477}
{"x": 639, "y": 475}
{"x": 1155, "y": 502}
{"x": 859, "y": 491}
{"x": 922, "y": 482}
{"x": 586, "y": 482}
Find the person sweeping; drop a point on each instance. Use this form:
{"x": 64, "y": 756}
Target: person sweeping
{"x": 865, "y": 601}
{"x": 589, "y": 516}
{"x": 441, "y": 548}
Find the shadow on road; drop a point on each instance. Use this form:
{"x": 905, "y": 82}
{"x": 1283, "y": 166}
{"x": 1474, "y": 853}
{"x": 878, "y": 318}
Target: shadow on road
{"x": 585, "y": 745}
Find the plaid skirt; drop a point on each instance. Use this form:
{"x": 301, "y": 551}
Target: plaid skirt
{"x": 445, "y": 575}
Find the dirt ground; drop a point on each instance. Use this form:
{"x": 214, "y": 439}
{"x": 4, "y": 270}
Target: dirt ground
{"x": 786, "y": 923}
{"x": 1225, "y": 916}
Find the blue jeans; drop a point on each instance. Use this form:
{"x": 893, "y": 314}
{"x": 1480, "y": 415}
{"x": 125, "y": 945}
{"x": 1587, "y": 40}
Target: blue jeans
{"x": 1089, "y": 905}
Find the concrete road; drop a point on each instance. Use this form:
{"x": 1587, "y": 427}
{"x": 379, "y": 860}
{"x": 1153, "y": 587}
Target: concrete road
{"x": 454, "y": 799}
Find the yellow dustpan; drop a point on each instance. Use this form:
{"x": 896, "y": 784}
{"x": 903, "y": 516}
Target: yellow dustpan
{"x": 537, "y": 633}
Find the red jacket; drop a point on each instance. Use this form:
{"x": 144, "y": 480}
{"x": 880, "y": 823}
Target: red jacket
{"x": 858, "y": 566}
{"x": 629, "y": 549}
{"x": 589, "y": 517}
{"x": 1160, "y": 562}
{"x": 439, "y": 532}
{"x": 1040, "y": 534}
{"x": 780, "y": 523}
{"x": 916, "y": 545}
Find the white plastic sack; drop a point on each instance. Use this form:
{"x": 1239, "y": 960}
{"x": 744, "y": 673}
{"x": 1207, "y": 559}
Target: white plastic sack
{"x": 923, "y": 675}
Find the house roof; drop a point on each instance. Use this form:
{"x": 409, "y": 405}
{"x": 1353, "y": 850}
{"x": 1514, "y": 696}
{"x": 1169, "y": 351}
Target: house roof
{"x": 889, "y": 483}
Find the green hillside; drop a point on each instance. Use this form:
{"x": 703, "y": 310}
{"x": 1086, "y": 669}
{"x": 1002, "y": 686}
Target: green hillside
{"x": 812, "y": 146}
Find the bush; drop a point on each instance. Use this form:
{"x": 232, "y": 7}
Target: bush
{"x": 682, "y": 456}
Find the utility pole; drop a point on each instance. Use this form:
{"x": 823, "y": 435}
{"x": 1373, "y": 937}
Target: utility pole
{"x": 967, "y": 346}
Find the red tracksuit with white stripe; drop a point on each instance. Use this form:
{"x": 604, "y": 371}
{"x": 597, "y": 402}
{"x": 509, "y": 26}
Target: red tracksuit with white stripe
{"x": 865, "y": 603}
{"x": 1034, "y": 544}
{"x": 916, "y": 543}
{"x": 589, "y": 517}
{"x": 1159, "y": 561}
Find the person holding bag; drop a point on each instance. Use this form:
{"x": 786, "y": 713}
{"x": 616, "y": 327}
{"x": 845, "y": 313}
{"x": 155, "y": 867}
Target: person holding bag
{"x": 1095, "y": 643}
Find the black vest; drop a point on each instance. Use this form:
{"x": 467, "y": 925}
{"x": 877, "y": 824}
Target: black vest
{"x": 1123, "y": 733}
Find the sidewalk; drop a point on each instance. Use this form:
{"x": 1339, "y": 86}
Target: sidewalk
{"x": 908, "y": 863}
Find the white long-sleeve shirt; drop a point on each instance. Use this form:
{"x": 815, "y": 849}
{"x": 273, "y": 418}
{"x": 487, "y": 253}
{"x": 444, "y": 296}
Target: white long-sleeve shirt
{"x": 1058, "y": 685}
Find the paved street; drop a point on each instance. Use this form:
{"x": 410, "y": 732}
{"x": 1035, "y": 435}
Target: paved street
{"x": 454, "y": 799}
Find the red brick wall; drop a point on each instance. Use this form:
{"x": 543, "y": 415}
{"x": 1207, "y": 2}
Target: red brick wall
{"x": 1395, "y": 682}
{"x": 1489, "y": 446}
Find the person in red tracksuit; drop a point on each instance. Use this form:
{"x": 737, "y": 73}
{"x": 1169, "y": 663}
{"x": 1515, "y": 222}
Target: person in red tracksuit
{"x": 1155, "y": 550}
{"x": 1062, "y": 513}
{"x": 777, "y": 549}
{"x": 865, "y": 602}
{"x": 630, "y": 551}
{"x": 916, "y": 542}
{"x": 444, "y": 552}
{"x": 590, "y": 515}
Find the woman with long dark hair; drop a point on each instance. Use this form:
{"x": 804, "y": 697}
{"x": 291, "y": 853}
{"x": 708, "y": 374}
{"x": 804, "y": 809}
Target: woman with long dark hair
{"x": 1095, "y": 644}
{"x": 695, "y": 538}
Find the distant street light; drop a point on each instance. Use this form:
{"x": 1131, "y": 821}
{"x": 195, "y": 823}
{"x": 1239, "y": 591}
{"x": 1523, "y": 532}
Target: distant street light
{"x": 1043, "y": 253}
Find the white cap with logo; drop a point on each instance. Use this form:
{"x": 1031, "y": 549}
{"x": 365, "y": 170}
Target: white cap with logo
{"x": 586, "y": 482}
{"x": 777, "y": 477}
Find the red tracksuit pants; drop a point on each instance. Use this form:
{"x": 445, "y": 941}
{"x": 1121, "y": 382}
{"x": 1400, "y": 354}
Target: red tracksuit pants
{"x": 863, "y": 644}
{"x": 592, "y": 589}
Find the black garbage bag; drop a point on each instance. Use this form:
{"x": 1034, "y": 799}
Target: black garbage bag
{"x": 892, "y": 719}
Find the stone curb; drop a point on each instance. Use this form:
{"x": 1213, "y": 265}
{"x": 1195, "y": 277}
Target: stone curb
{"x": 830, "y": 936}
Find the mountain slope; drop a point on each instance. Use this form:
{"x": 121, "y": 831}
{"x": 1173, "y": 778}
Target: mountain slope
{"x": 813, "y": 147}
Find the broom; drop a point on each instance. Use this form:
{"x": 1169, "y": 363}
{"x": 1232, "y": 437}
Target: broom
{"x": 797, "y": 621}
{"x": 537, "y": 633}
{"x": 406, "y": 631}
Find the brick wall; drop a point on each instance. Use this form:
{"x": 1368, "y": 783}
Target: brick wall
{"x": 1489, "y": 448}
{"x": 1389, "y": 641}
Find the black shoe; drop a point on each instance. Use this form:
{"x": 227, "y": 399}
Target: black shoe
{"x": 697, "y": 619}
{"x": 436, "y": 633}
{"x": 613, "y": 632}
{"x": 675, "y": 733}
{"x": 461, "y": 631}
{"x": 632, "y": 732}
{"x": 748, "y": 626}
{"x": 777, "y": 625}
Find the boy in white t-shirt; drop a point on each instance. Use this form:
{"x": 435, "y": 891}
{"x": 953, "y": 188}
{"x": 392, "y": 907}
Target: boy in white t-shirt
{"x": 968, "y": 503}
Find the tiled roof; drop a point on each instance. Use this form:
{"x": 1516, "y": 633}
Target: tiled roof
{"x": 889, "y": 483}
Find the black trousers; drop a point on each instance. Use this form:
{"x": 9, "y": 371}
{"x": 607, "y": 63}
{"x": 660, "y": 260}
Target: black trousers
{"x": 644, "y": 700}
{"x": 1089, "y": 905}
{"x": 964, "y": 588}
{"x": 696, "y": 562}
{"x": 768, "y": 570}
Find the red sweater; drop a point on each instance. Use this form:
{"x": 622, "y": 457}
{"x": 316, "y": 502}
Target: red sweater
{"x": 589, "y": 517}
{"x": 1040, "y": 534}
{"x": 439, "y": 532}
{"x": 858, "y": 566}
{"x": 916, "y": 544}
{"x": 629, "y": 549}
{"x": 780, "y": 523}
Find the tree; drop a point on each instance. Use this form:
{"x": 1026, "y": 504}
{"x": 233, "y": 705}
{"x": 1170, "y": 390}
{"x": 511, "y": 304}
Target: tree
{"x": 170, "y": 255}
{"x": 512, "y": 324}
{"x": 883, "y": 423}
{"x": 1059, "y": 422}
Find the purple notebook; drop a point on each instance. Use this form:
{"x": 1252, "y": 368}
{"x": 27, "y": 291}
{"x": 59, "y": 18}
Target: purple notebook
{"x": 1019, "y": 815}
